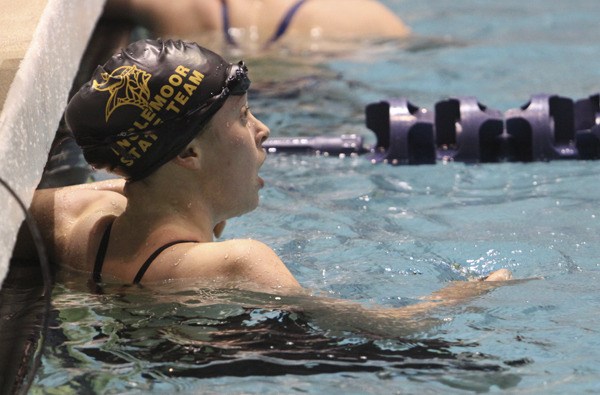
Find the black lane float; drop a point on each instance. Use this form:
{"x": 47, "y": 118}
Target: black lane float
{"x": 461, "y": 129}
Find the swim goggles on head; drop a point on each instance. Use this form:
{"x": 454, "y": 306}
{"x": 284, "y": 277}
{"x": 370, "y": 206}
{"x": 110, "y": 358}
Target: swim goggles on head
{"x": 236, "y": 84}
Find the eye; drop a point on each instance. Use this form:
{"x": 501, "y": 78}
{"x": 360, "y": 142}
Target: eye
{"x": 245, "y": 113}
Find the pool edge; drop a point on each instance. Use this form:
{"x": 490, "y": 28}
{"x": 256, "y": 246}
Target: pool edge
{"x": 28, "y": 119}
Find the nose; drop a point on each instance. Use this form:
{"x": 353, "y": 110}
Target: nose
{"x": 262, "y": 132}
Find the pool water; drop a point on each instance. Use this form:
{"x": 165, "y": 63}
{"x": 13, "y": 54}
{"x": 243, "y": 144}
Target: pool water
{"x": 384, "y": 236}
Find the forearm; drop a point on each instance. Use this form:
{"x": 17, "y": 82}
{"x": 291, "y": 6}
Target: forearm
{"x": 342, "y": 315}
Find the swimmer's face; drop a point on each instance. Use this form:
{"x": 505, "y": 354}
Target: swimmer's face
{"x": 233, "y": 155}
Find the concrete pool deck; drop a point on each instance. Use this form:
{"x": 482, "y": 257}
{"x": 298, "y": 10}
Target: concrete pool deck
{"x": 41, "y": 46}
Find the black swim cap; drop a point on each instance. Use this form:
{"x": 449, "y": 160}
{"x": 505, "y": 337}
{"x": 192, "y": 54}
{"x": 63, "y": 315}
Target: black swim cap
{"x": 148, "y": 102}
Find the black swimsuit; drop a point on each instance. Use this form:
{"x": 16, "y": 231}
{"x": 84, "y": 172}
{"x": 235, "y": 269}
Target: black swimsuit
{"x": 280, "y": 31}
{"x": 97, "y": 273}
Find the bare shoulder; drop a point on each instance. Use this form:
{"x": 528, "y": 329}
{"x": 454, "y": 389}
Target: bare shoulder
{"x": 244, "y": 263}
{"x": 247, "y": 249}
{"x": 250, "y": 261}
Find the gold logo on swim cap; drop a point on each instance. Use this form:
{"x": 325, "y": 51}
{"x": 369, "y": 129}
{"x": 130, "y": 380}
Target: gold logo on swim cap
{"x": 127, "y": 85}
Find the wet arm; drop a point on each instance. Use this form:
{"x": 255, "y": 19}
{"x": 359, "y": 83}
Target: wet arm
{"x": 344, "y": 315}
{"x": 254, "y": 266}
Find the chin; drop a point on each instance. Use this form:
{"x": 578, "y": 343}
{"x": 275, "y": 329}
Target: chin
{"x": 247, "y": 209}
{"x": 254, "y": 206}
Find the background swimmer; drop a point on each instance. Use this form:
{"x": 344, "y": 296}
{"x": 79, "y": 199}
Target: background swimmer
{"x": 257, "y": 24}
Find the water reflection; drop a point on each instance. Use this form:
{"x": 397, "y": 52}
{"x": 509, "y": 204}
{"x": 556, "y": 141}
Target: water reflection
{"x": 148, "y": 337}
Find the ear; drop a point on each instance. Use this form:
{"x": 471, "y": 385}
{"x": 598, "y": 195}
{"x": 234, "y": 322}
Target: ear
{"x": 189, "y": 158}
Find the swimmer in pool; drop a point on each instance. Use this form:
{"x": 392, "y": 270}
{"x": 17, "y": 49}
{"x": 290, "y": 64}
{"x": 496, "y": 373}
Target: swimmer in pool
{"x": 173, "y": 120}
{"x": 261, "y": 23}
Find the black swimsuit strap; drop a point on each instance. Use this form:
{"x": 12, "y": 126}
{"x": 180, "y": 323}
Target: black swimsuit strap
{"x": 103, "y": 247}
{"x": 151, "y": 258}
{"x": 101, "y": 254}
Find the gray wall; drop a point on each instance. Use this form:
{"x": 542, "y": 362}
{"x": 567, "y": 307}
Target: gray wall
{"x": 41, "y": 45}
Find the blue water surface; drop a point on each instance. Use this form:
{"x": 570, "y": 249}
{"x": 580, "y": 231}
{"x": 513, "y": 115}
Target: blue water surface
{"x": 386, "y": 236}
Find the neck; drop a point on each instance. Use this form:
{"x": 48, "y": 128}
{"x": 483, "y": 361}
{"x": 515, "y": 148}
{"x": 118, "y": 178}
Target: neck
{"x": 164, "y": 203}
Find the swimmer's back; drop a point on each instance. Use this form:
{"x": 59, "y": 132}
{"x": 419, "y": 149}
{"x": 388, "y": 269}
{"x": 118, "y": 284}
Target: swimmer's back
{"x": 332, "y": 19}
{"x": 257, "y": 22}
{"x": 84, "y": 214}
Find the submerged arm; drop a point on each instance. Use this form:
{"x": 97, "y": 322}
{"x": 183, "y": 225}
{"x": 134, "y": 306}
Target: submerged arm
{"x": 344, "y": 315}
{"x": 339, "y": 315}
